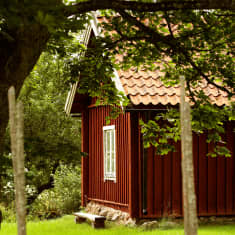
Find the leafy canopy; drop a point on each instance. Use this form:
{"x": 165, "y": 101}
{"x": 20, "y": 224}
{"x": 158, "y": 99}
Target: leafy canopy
{"x": 196, "y": 44}
{"x": 179, "y": 35}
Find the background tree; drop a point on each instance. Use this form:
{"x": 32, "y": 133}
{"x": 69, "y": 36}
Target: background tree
{"x": 51, "y": 137}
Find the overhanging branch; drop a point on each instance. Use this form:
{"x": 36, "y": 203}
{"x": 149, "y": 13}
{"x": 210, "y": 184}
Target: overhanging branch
{"x": 165, "y": 5}
{"x": 173, "y": 44}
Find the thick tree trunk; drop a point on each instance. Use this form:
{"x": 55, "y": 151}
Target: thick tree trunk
{"x": 18, "y": 57}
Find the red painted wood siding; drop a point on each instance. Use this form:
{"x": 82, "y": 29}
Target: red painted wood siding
{"x": 214, "y": 177}
{"x": 214, "y": 180}
{"x": 115, "y": 194}
{"x": 85, "y": 160}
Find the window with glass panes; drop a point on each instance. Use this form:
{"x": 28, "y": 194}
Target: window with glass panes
{"x": 109, "y": 147}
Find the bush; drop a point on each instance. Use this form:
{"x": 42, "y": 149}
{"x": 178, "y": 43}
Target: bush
{"x": 63, "y": 199}
{"x": 68, "y": 188}
{"x": 8, "y": 213}
{"x": 45, "y": 206}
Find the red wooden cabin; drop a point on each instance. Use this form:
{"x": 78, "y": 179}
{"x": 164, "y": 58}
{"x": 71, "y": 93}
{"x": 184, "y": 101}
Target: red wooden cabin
{"x": 118, "y": 172}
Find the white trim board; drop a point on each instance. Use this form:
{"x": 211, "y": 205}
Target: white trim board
{"x": 73, "y": 89}
{"x": 115, "y": 78}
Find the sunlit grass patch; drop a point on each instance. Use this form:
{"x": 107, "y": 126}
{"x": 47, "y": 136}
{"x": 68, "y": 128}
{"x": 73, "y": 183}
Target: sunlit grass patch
{"x": 67, "y": 226}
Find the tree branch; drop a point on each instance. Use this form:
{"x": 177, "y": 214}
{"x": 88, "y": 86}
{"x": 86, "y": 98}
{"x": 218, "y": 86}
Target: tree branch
{"x": 155, "y": 36}
{"x": 169, "y": 24}
{"x": 48, "y": 185}
{"x": 173, "y": 44}
{"x": 190, "y": 92}
{"x": 198, "y": 69}
{"x": 166, "y": 5}
{"x": 40, "y": 189}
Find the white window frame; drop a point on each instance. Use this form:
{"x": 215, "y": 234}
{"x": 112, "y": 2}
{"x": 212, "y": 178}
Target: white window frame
{"x": 109, "y": 161}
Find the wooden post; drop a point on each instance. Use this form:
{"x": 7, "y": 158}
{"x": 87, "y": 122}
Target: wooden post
{"x": 17, "y": 149}
{"x": 189, "y": 197}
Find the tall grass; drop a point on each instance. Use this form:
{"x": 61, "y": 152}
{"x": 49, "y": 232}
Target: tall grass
{"x": 66, "y": 226}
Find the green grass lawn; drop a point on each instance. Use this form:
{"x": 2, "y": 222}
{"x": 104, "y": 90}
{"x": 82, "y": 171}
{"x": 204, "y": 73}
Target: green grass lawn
{"x": 66, "y": 226}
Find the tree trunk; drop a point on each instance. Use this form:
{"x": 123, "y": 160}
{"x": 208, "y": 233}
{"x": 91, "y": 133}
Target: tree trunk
{"x": 17, "y": 59}
{"x": 17, "y": 149}
{"x": 189, "y": 197}
{"x": 20, "y": 169}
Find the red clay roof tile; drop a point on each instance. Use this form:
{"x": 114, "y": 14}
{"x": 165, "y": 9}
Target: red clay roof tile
{"x": 145, "y": 87}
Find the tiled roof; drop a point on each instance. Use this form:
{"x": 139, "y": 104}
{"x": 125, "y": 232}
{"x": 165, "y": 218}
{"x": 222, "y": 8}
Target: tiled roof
{"x": 145, "y": 87}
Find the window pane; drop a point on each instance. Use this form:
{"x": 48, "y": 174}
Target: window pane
{"x": 104, "y": 146}
{"x": 108, "y": 141}
{"x": 113, "y": 140}
{"x": 108, "y": 162}
{"x": 113, "y": 162}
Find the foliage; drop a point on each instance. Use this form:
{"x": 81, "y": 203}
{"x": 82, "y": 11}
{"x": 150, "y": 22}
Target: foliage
{"x": 8, "y": 213}
{"x": 6, "y": 179}
{"x": 160, "y": 131}
{"x": 196, "y": 44}
{"x": 166, "y": 128}
{"x": 45, "y": 121}
{"x": 63, "y": 199}
{"x": 51, "y": 137}
{"x": 192, "y": 43}
{"x": 68, "y": 188}
{"x": 206, "y": 118}
{"x": 45, "y": 206}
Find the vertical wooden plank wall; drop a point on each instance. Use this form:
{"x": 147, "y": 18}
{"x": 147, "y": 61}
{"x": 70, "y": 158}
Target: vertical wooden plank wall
{"x": 135, "y": 198}
{"x": 110, "y": 193}
{"x": 202, "y": 175}
{"x": 85, "y": 164}
{"x": 214, "y": 177}
{"x": 176, "y": 183}
{"x": 214, "y": 180}
{"x": 164, "y": 191}
{"x": 230, "y": 171}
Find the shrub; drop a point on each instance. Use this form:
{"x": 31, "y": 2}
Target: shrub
{"x": 45, "y": 206}
{"x": 68, "y": 188}
{"x": 8, "y": 213}
{"x": 63, "y": 199}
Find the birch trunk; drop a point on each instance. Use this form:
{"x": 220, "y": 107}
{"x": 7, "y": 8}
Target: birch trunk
{"x": 189, "y": 197}
{"x": 17, "y": 146}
